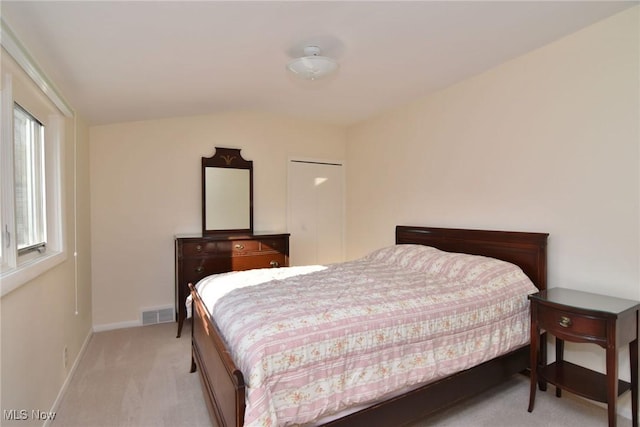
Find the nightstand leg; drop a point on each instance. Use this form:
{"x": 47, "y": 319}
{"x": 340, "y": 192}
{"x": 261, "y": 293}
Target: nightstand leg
{"x": 533, "y": 361}
{"x": 559, "y": 359}
{"x": 633, "y": 356}
{"x": 612, "y": 383}
{"x": 542, "y": 360}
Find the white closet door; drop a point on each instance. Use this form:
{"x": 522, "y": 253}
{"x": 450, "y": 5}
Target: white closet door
{"x": 316, "y": 212}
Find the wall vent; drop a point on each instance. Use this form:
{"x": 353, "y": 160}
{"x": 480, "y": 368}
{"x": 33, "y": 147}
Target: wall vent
{"x": 160, "y": 315}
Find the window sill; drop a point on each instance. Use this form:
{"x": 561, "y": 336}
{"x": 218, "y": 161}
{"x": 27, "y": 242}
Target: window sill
{"x": 14, "y": 278}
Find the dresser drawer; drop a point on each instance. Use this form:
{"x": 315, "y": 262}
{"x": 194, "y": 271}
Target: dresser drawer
{"x": 259, "y": 261}
{"x": 202, "y": 247}
{"x": 194, "y": 269}
{"x": 226, "y": 248}
{"x": 238, "y": 247}
{"x": 566, "y": 324}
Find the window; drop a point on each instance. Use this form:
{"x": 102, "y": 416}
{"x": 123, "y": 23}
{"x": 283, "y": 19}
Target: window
{"x": 29, "y": 185}
{"x": 31, "y": 146}
{"x": 33, "y": 119}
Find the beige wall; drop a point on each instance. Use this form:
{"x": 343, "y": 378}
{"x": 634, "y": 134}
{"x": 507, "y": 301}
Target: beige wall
{"x": 39, "y": 318}
{"x": 145, "y": 187}
{"x": 546, "y": 142}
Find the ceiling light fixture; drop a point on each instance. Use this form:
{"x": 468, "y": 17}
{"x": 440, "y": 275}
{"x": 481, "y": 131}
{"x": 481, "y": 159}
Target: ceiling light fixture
{"x": 312, "y": 65}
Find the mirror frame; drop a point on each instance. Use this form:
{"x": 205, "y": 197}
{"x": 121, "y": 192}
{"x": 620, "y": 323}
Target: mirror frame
{"x": 232, "y": 159}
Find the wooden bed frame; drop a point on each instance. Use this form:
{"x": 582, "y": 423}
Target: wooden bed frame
{"x": 223, "y": 383}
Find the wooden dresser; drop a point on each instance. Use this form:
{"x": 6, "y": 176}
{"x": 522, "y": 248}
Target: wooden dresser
{"x": 197, "y": 256}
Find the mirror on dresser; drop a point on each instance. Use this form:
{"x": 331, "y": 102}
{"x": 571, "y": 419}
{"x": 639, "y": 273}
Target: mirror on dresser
{"x": 227, "y": 193}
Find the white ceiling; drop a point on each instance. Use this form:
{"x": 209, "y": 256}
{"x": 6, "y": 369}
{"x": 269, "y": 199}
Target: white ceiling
{"x": 122, "y": 61}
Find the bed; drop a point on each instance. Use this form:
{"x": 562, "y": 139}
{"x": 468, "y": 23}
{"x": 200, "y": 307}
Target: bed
{"x": 224, "y": 383}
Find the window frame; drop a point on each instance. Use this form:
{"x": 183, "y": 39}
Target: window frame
{"x": 16, "y": 271}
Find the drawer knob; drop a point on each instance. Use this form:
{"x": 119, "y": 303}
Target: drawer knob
{"x": 198, "y": 248}
{"x": 274, "y": 264}
{"x": 239, "y": 246}
{"x": 564, "y": 321}
{"x": 199, "y": 269}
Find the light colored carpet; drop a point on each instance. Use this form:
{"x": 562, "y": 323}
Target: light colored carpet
{"x": 133, "y": 378}
{"x": 139, "y": 377}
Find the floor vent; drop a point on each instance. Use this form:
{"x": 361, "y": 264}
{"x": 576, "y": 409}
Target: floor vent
{"x": 162, "y": 315}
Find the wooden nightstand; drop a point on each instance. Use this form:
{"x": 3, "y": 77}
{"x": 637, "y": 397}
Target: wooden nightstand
{"x": 583, "y": 317}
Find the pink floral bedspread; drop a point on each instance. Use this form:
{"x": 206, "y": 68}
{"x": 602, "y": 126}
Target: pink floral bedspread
{"x": 314, "y": 344}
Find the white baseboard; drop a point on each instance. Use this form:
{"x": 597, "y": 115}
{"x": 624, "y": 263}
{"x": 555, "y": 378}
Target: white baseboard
{"x": 67, "y": 380}
{"x": 118, "y": 325}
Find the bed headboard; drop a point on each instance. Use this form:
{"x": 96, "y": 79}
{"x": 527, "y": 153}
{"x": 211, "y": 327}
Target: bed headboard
{"x": 526, "y": 250}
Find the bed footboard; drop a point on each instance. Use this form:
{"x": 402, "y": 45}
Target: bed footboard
{"x": 222, "y": 382}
